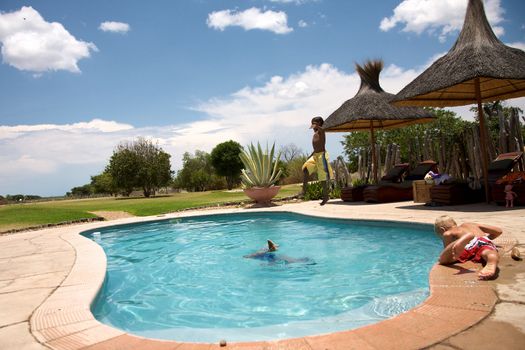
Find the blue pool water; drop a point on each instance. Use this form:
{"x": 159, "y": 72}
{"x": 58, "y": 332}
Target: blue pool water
{"x": 186, "y": 279}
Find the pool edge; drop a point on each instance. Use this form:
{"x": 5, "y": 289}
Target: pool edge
{"x": 456, "y": 302}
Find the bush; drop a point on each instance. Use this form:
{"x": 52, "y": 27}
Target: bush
{"x": 294, "y": 171}
{"x": 314, "y": 191}
{"x": 359, "y": 182}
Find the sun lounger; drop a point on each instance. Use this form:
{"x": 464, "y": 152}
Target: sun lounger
{"x": 460, "y": 193}
{"x": 355, "y": 193}
{"x": 397, "y": 192}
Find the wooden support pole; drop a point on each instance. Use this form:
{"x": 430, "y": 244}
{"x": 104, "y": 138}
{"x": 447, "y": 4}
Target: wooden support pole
{"x": 484, "y": 141}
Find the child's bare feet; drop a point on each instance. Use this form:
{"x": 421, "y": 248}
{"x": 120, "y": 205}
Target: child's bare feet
{"x": 488, "y": 271}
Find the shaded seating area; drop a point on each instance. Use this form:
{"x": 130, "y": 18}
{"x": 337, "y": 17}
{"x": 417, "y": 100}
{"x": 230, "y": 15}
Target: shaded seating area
{"x": 393, "y": 176}
{"x": 460, "y": 193}
{"x": 397, "y": 192}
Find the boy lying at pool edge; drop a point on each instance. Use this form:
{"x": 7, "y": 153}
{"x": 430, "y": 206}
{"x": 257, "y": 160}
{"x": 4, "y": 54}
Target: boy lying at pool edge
{"x": 468, "y": 241}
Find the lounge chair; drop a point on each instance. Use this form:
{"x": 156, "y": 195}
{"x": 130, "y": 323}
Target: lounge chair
{"x": 397, "y": 192}
{"x": 355, "y": 193}
{"x": 460, "y": 193}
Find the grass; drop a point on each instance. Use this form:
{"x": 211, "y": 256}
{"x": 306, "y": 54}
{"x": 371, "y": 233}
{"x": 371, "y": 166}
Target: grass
{"x": 18, "y": 216}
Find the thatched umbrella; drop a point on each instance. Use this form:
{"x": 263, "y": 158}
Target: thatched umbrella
{"x": 479, "y": 68}
{"x": 370, "y": 109}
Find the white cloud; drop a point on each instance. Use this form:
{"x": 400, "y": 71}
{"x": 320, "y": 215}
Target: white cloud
{"x": 302, "y": 24}
{"x": 252, "y": 18}
{"x": 30, "y": 43}
{"x": 443, "y": 17}
{"x": 115, "y": 27}
{"x": 518, "y": 45}
{"x": 279, "y": 110}
{"x": 95, "y": 125}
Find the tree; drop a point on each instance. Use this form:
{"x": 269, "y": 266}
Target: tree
{"x": 197, "y": 173}
{"x": 290, "y": 152}
{"x": 141, "y": 164}
{"x": 81, "y": 191}
{"x": 293, "y": 172}
{"x": 447, "y": 127}
{"x": 123, "y": 167}
{"x": 103, "y": 184}
{"x": 226, "y": 161}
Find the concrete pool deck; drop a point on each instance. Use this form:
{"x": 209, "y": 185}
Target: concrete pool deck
{"x": 48, "y": 279}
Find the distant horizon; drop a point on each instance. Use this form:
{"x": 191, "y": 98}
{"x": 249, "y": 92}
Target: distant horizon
{"x": 78, "y": 78}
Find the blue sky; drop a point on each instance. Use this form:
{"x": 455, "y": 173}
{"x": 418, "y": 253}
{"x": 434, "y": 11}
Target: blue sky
{"x": 78, "y": 77}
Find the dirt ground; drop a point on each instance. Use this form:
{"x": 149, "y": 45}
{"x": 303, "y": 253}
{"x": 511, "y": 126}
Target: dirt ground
{"x": 112, "y": 215}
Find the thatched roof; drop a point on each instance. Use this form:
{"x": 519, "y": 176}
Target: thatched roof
{"x": 371, "y": 104}
{"x": 477, "y": 53}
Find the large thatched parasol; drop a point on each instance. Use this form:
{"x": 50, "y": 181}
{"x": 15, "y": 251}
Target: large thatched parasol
{"x": 478, "y": 68}
{"x": 370, "y": 109}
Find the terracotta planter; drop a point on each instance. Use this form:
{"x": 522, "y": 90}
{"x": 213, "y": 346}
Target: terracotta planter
{"x": 262, "y": 194}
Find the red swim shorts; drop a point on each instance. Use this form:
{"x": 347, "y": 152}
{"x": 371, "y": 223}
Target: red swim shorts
{"x": 474, "y": 249}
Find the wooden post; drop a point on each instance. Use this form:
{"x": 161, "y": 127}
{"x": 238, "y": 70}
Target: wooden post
{"x": 426, "y": 147}
{"x": 360, "y": 170}
{"x": 388, "y": 158}
{"x": 346, "y": 173}
{"x": 503, "y": 133}
{"x": 397, "y": 158}
{"x": 515, "y": 127}
{"x": 441, "y": 154}
{"x": 374, "y": 156}
{"x": 477, "y": 153}
{"x": 378, "y": 159}
{"x": 470, "y": 159}
{"x": 484, "y": 140}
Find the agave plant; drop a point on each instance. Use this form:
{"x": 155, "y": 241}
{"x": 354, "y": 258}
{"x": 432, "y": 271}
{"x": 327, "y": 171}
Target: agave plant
{"x": 261, "y": 170}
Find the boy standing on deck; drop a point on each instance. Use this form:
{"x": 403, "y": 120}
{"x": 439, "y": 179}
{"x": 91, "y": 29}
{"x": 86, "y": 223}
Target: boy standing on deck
{"x": 318, "y": 160}
{"x": 468, "y": 241}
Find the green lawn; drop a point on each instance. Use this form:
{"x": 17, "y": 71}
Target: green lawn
{"x": 18, "y": 216}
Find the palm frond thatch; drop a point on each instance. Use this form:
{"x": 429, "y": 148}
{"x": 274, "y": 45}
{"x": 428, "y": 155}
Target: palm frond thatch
{"x": 477, "y": 54}
{"x": 371, "y": 107}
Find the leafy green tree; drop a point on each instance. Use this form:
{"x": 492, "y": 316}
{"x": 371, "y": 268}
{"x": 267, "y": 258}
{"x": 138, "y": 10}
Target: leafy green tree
{"x": 139, "y": 164}
{"x": 81, "y": 191}
{"x": 197, "y": 173}
{"x": 492, "y": 110}
{"x": 448, "y": 128}
{"x": 103, "y": 184}
{"x": 123, "y": 167}
{"x": 293, "y": 170}
{"x": 226, "y": 161}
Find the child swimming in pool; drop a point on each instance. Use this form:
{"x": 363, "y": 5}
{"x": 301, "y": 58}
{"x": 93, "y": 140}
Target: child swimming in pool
{"x": 268, "y": 254}
{"x": 264, "y": 253}
{"x": 468, "y": 241}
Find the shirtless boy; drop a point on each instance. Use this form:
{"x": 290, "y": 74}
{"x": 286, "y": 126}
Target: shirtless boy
{"x": 468, "y": 241}
{"x": 318, "y": 160}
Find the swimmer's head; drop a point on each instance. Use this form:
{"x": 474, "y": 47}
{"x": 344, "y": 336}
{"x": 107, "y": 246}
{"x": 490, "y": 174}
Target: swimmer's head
{"x": 443, "y": 223}
{"x": 272, "y": 246}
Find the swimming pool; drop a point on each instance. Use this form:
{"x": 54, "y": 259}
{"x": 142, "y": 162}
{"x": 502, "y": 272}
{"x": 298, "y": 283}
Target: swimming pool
{"x": 187, "y": 279}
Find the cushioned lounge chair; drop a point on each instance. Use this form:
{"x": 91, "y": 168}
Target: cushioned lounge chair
{"x": 460, "y": 193}
{"x": 397, "y": 192}
{"x": 355, "y": 193}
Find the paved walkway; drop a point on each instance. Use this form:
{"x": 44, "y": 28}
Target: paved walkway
{"x": 34, "y": 264}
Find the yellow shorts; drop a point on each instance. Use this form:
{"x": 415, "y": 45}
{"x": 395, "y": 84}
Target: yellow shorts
{"x": 319, "y": 163}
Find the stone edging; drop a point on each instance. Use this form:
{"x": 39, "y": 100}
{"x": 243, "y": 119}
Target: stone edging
{"x": 457, "y": 301}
